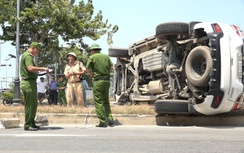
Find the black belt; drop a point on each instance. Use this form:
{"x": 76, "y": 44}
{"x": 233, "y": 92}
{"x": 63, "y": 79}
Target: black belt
{"x": 29, "y": 79}
{"x": 75, "y": 82}
{"x": 61, "y": 90}
{"x": 101, "y": 78}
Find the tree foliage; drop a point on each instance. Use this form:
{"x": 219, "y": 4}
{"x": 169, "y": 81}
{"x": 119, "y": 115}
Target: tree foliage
{"x": 48, "y": 21}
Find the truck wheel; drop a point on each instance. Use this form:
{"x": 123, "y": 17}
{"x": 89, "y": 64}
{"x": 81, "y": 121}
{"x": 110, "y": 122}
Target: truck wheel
{"x": 171, "y": 106}
{"x": 198, "y": 66}
{"x": 118, "y": 52}
{"x": 180, "y": 30}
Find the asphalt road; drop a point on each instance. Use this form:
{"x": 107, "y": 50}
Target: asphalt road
{"x": 123, "y": 139}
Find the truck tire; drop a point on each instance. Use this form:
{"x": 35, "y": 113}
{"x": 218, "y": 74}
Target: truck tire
{"x": 198, "y": 66}
{"x": 118, "y": 52}
{"x": 168, "y": 106}
{"x": 173, "y": 29}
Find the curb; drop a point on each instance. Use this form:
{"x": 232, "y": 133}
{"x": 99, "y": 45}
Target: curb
{"x": 60, "y": 118}
{"x": 163, "y": 120}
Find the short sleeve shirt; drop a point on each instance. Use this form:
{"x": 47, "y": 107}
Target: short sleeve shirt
{"x": 77, "y": 67}
{"x": 99, "y": 64}
{"x": 41, "y": 87}
{"x": 27, "y": 60}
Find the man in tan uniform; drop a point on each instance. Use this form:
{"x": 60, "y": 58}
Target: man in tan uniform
{"x": 72, "y": 72}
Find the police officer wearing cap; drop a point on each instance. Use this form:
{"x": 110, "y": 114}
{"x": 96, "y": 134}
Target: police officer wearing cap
{"x": 73, "y": 70}
{"x": 28, "y": 72}
{"x": 99, "y": 66}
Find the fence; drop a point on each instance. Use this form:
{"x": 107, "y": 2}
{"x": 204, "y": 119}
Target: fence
{"x": 89, "y": 94}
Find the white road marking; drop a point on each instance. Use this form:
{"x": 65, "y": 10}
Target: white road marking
{"x": 44, "y": 135}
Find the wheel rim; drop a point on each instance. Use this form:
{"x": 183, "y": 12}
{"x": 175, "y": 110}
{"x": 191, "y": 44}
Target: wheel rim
{"x": 199, "y": 66}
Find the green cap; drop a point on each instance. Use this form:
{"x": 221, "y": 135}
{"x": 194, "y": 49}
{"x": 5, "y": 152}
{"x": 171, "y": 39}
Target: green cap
{"x": 94, "y": 47}
{"x": 36, "y": 45}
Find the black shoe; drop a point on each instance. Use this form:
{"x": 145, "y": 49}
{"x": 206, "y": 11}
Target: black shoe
{"x": 110, "y": 122}
{"x": 35, "y": 126}
{"x": 101, "y": 125}
{"x": 30, "y": 129}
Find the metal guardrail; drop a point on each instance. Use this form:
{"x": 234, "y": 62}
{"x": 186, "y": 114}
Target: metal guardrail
{"x": 89, "y": 94}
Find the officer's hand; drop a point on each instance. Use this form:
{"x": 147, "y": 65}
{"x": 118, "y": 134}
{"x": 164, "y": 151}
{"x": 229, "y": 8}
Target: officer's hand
{"x": 47, "y": 70}
{"x": 70, "y": 73}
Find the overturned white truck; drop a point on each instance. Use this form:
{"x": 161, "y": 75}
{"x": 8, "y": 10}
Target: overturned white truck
{"x": 194, "y": 67}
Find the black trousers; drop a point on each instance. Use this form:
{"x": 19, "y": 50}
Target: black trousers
{"x": 53, "y": 97}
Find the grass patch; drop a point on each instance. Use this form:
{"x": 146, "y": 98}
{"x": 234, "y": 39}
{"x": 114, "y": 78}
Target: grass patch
{"x": 135, "y": 109}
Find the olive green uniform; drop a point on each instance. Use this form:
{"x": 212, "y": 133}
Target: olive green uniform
{"x": 100, "y": 65}
{"x": 61, "y": 93}
{"x": 29, "y": 89}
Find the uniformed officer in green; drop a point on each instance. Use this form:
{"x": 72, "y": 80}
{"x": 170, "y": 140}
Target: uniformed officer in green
{"x": 61, "y": 91}
{"x": 28, "y": 72}
{"x": 99, "y": 66}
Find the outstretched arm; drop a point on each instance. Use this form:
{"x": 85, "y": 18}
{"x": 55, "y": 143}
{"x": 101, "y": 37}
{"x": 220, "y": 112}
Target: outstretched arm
{"x": 36, "y": 69}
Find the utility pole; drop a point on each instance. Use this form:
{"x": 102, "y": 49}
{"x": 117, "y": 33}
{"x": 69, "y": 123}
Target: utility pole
{"x": 17, "y": 99}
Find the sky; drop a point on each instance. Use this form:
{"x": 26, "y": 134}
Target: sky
{"x": 137, "y": 19}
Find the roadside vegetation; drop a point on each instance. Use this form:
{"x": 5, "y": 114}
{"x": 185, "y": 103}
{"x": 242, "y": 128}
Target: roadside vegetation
{"x": 116, "y": 109}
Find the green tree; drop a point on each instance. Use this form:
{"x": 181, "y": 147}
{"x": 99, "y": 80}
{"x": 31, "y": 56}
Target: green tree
{"x": 47, "y": 21}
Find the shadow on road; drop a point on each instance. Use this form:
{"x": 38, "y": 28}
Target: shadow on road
{"x": 51, "y": 128}
{"x": 191, "y": 120}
